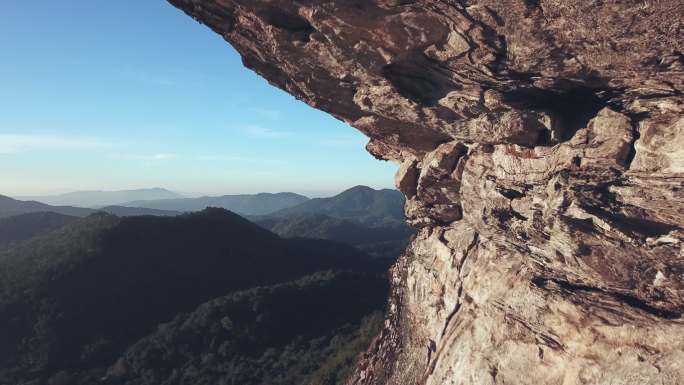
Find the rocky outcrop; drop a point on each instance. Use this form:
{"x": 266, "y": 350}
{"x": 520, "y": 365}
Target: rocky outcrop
{"x": 541, "y": 146}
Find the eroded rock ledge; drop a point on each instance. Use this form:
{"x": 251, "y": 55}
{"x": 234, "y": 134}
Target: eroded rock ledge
{"x": 541, "y": 146}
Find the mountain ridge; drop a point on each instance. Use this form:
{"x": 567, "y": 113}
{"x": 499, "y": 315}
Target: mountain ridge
{"x": 114, "y": 279}
{"x": 26, "y": 226}
{"x": 372, "y": 220}
{"x": 246, "y": 204}
{"x": 125, "y": 211}
{"x": 11, "y": 207}
{"x": 360, "y": 203}
{"x": 100, "y": 198}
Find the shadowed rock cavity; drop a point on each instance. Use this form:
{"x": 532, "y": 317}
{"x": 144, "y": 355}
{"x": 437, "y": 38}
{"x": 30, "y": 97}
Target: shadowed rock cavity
{"x": 541, "y": 149}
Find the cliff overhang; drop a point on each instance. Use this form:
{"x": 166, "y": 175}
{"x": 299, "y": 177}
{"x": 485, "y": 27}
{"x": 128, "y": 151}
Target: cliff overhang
{"x": 541, "y": 149}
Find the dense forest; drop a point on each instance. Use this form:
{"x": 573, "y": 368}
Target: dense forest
{"x": 361, "y": 204}
{"x": 368, "y": 219}
{"x": 103, "y": 294}
{"x": 304, "y": 332}
{"x": 386, "y": 242}
{"x": 26, "y": 226}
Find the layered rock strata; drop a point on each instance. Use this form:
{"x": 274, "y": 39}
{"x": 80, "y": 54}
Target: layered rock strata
{"x": 541, "y": 149}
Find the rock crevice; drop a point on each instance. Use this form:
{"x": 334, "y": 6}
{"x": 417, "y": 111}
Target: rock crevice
{"x": 541, "y": 150}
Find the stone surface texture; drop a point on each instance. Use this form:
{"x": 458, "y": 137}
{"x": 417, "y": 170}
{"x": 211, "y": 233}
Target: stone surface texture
{"x": 541, "y": 148}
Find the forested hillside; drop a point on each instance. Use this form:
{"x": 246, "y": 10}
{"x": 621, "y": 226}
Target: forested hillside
{"x": 26, "y": 226}
{"x": 76, "y": 299}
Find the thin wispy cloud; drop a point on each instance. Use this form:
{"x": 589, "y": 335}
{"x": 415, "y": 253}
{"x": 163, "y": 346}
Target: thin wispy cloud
{"x": 21, "y": 143}
{"x": 148, "y": 157}
{"x": 225, "y": 158}
{"x": 265, "y": 133}
{"x": 165, "y": 156}
{"x": 266, "y": 113}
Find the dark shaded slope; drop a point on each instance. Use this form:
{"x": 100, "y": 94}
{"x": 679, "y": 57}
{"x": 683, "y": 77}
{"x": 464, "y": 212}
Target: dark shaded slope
{"x": 387, "y": 241}
{"x": 304, "y": 332}
{"x": 325, "y": 227}
{"x": 75, "y": 299}
{"x": 25, "y": 226}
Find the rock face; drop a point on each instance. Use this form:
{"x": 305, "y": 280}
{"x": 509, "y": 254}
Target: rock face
{"x": 541, "y": 146}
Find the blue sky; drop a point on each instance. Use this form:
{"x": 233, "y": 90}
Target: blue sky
{"x": 129, "y": 94}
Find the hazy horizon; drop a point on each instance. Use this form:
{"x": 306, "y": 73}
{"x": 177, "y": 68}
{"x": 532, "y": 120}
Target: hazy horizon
{"x": 108, "y": 103}
{"x": 185, "y": 194}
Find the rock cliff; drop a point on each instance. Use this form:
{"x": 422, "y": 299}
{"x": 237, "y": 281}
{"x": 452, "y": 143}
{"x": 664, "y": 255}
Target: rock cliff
{"x": 541, "y": 145}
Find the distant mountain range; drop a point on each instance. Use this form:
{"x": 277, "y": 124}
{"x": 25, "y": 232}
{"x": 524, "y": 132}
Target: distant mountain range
{"x": 361, "y": 204}
{"x": 123, "y": 211}
{"x": 372, "y": 220}
{"x": 93, "y": 299}
{"x": 289, "y": 297}
{"x": 11, "y": 207}
{"x": 97, "y": 199}
{"x": 244, "y": 204}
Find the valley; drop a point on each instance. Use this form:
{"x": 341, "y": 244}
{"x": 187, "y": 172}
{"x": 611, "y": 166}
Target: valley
{"x": 154, "y": 296}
